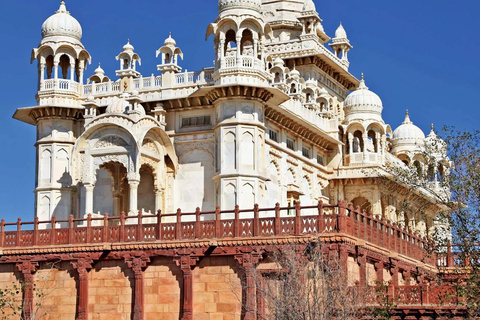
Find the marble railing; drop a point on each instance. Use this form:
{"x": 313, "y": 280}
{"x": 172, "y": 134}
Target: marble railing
{"x": 360, "y": 158}
{"x": 241, "y": 62}
{"x": 151, "y": 83}
{"x": 318, "y": 220}
{"x": 60, "y": 85}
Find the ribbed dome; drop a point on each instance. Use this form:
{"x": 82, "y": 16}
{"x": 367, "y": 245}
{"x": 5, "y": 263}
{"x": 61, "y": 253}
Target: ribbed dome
{"x": 239, "y": 4}
{"x": 122, "y": 106}
{"x": 99, "y": 71}
{"x": 363, "y": 104}
{"x": 309, "y": 6}
{"x": 408, "y": 134}
{"x": 170, "y": 41}
{"x": 128, "y": 47}
{"x": 62, "y": 24}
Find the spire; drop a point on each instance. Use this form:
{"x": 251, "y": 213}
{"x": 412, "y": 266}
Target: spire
{"x": 62, "y": 8}
{"x": 407, "y": 118}
{"x": 362, "y": 85}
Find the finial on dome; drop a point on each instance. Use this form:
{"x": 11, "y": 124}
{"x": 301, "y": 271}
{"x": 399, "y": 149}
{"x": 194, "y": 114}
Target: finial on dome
{"x": 407, "y": 118}
{"x": 431, "y": 127}
{"x": 362, "y": 83}
{"x": 62, "y": 8}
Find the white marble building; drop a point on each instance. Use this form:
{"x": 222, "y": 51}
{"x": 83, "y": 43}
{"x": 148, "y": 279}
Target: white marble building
{"x": 278, "y": 119}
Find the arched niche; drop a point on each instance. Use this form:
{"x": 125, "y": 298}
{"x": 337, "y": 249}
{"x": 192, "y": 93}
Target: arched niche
{"x": 362, "y": 203}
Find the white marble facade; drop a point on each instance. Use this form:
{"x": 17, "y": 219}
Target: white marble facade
{"x": 273, "y": 121}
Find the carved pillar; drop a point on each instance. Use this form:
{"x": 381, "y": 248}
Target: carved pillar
{"x": 186, "y": 264}
{"x": 158, "y": 199}
{"x": 362, "y": 263}
{"x": 82, "y": 266}
{"x": 27, "y": 269}
{"x": 133, "y": 185}
{"x": 138, "y": 265}
{"x": 72, "y": 72}
{"x": 394, "y": 273}
{"x": 379, "y": 269}
{"x": 89, "y": 198}
{"x": 249, "y": 263}
{"x": 343, "y": 259}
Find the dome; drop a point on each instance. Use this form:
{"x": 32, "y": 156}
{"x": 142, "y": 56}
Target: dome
{"x": 99, "y": 71}
{"x": 122, "y": 106}
{"x": 62, "y": 24}
{"x": 340, "y": 33}
{"x": 128, "y": 47}
{"x": 408, "y": 134}
{"x": 170, "y": 41}
{"x": 239, "y": 4}
{"x": 278, "y": 62}
{"x": 363, "y": 104}
{"x": 309, "y": 6}
{"x": 435, "y": 144}
{"x": 295, "y": 74}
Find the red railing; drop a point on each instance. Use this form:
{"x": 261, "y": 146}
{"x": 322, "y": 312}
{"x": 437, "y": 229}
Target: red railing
{"x": 278, "y": 221}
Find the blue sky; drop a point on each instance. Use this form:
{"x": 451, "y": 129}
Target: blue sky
{"x": 416, "y": 55}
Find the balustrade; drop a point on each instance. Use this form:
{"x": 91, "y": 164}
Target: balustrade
{"x": 285, "y": 221}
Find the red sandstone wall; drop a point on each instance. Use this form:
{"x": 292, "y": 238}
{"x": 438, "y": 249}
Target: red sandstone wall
{"x": 56, "y": 292}
{"x": 8, "y": 278}
{"x": 163, "y": 280}
{"x": 110, "y": 291}
{"x": 217, "y": 290}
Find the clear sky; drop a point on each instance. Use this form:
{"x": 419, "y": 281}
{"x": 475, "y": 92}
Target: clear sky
{"x": 417, "y": 55}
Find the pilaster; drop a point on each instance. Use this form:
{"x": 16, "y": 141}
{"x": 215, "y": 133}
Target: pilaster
{"x": 83, "y": 266}
{"x": 28, "y": 269}
{"x": 186, "y": 262}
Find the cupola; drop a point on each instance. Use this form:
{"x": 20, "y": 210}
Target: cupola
{"x": 407, "y": 137}
{"x": 363, "y": 104}
{"x": 340, "y": 44}
{"x": 62, "y": 24}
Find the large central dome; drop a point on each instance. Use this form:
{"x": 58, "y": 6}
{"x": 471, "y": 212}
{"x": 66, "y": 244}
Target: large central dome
{"x": 62, "y": 24}
{"x": 239, "y": 4}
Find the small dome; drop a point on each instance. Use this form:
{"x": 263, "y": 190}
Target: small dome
{"x": 99, "y": 71}
{"x": 310, "y": 83}
{"x": 363, "y": 104}
{"x": 128, "y": 47}
{"x": 408, "y": 134}
{"x": 278, "y": 62}
{"x": 309, "y": 6}
{"x": 239, "y": 4}
{"x": 122, "y": 106}
{"x": 62, "y": 24}
{"x": 340, "y": 33}
{"x": 435, "y": 144}
{"x": 170, "y": 41}
{"x": 295, "y": 74}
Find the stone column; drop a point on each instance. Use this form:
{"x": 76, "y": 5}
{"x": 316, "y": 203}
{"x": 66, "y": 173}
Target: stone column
{"x": 138, "y": 265}
{"x": 72, "y": 72}
{"x": 158, "y": 199}
{"x": 82, "y": 266}
{"x": 28, "y": 269}
{"x": 350, "y": 143}
{"x": 249, "y": 263}
{"x": 55, "y": 70}
{"x": 186, "y": 264}
{"x": 362, "y": 263}
{"x": 379, "y": 269}
{"x": 89, "y": 198}
{"x": 133, "y": 184}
